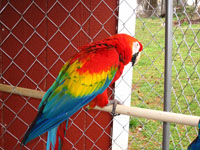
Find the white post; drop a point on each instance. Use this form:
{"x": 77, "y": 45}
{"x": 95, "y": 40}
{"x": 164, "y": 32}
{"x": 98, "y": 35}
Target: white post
{"x": 126, "y": 24}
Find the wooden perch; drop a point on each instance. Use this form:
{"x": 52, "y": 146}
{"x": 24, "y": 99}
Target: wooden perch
{"x": 121, "y": 109}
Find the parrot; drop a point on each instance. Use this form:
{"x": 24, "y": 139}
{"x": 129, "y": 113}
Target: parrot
{"x": 82, "y": 82}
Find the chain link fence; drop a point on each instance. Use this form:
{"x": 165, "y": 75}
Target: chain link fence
{"x": 37, "y": 37}
{"x": 149, "y": 74}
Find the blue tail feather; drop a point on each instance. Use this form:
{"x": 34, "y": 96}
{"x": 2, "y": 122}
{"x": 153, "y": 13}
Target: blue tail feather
{"x": 56, "y": 136}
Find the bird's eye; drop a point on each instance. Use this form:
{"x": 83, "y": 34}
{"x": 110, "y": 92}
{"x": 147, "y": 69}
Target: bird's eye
{"x": 136, "y": 47}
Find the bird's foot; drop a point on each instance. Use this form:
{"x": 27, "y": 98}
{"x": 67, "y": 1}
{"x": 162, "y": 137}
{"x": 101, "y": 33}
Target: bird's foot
{"x": 114, "y": 102}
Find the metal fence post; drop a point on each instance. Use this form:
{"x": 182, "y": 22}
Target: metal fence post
{"x": 168, "y": 70}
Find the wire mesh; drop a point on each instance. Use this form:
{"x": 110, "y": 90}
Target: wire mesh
{"x": 45, "y": 34}
{"x": 149, "y": 74}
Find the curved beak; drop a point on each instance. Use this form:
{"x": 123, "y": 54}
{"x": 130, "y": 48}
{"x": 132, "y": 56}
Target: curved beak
{"x": 135, "y": 58}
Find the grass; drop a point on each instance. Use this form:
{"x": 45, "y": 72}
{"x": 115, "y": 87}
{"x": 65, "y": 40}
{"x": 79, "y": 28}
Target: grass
{"x": 148, "y": 83}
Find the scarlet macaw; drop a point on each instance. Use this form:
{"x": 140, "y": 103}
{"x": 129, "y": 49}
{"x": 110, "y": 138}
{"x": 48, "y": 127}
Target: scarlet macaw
{"x": 82, "y": 80}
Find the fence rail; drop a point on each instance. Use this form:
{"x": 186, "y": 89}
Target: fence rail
{"x": 125, "y": 110}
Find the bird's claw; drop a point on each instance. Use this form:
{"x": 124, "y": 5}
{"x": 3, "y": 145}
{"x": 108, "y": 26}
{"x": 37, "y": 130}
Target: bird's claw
{"x": 114, "y": 102}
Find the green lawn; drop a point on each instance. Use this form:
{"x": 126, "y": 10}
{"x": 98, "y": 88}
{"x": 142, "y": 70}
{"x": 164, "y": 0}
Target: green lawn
{"x": 148, "y": 83}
